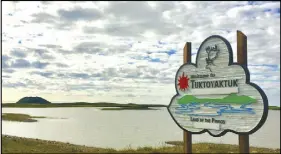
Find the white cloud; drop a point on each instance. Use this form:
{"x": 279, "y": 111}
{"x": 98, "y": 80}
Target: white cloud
{"x": 111, "y": 45}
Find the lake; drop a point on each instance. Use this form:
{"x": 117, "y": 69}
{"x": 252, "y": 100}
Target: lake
{"x": 120, "y": 129}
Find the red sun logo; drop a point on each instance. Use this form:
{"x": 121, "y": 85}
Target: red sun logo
{"x": 183, "y": 82}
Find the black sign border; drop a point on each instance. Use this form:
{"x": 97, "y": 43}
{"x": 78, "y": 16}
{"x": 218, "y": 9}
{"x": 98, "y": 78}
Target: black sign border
{"x": 247, "y": 73}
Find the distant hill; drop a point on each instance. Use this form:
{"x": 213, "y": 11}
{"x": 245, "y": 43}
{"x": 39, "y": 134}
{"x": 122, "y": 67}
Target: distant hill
{"x": 33, "y": 100}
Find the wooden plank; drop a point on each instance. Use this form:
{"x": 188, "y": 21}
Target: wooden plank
{"x": 187, "y": 136}
{"x": 214, "y": 91}
{"x": 242, "y": 60}
{"x": 211, "y": 126}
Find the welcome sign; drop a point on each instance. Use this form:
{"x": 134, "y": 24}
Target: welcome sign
{"x": 215, "y": 95}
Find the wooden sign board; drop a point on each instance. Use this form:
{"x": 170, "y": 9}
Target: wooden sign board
{"x": 215, "y": 95}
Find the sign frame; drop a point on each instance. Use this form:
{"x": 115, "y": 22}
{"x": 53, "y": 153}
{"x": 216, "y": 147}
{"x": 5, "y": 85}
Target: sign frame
{"x": 247, "y": 77}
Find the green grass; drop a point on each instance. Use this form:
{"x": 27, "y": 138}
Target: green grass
{"x": 274, "y": 108}
{"x": 19, "y": 117}
{"x": 230, "y": 99}
{"x": 12, "y": 144}
{"x": 130, "y": 108}
{"x": 77, "y": 104}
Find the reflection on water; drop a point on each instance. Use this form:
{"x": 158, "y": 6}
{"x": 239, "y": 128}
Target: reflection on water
{"x": 119, "y": 129}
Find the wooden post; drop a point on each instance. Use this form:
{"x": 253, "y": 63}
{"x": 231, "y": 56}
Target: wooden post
{"x": 242, "y": 60}
{"x": 187, "y": 142}
{"x": 244, "y": 144}
{"x": 187, "y": 53}
{"x": 187, "y": 136}
{"x": 242, "y": 49}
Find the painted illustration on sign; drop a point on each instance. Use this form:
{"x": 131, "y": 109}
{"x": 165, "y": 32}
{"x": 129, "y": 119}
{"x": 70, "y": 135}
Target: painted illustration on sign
{"x": 213, "y": 53}
{"x": 214, "y": 107}
{"x": 216, "y": 95}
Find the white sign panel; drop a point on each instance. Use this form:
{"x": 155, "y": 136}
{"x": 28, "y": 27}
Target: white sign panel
{"x": 216, "y": 95}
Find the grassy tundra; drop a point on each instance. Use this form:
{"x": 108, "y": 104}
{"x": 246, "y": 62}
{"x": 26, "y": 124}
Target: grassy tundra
{"x": 129, "y": 106}
{"x": 81, "y": 104}
{"x": 19, "y": 117}
{"x": 12, "y": 144}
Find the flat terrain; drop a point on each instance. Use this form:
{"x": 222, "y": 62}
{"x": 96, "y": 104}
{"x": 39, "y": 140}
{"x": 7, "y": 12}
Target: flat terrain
{"x": 129, "y": 108}
{"x": 19, "y": 117}
{"x": 81, "y": 104}
{"x": 12, "y": 144}
{"x": 274, "y": 108}
{"x": 106, "y": 105}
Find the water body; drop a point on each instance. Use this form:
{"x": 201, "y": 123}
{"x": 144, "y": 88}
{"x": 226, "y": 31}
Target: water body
{"x": 120, "y": 129}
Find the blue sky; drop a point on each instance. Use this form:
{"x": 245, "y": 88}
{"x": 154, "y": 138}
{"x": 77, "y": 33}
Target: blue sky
{"x": 126, "y": 52}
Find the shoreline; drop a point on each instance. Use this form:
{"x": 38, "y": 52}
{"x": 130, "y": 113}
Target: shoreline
{"x": 14, "y": 144}
{"x": 18, "y": 117}
{"x": 106, "y": 106}
{"x": 78, "y": 104}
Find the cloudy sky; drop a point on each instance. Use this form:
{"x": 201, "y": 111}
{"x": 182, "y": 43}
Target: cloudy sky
{"x": 126, "y": 52}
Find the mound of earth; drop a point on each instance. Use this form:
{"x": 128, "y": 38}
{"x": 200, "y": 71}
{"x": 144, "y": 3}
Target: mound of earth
{"x": 33, "y": 100}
